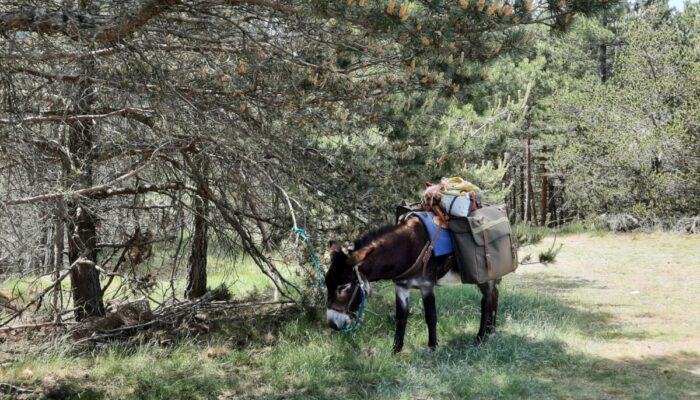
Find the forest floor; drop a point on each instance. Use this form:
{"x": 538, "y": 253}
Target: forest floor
{"x": 616, "y": 316}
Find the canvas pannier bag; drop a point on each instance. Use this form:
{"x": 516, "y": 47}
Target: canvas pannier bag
{"x": 483, "y": 244}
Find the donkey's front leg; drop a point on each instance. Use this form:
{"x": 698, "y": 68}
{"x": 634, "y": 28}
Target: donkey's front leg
{"x": 402, "y": 304}
{"x": 430, "y": 315}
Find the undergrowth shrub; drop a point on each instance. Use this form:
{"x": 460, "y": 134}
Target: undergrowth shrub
{"x": 527, "y": 234}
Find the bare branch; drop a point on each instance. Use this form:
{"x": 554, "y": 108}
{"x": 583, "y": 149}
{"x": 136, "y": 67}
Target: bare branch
{"x": 133, "y": 113}
{"x": 43, "y": 293}
{"x": 137, "y": 190}
{"x": 266, "y": 4}
{"x": 131, "y": 25}
{"x": 81, "y": 26}
{"x": 81, "y": 192}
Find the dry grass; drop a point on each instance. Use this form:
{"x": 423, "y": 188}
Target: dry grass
{"x": 647, "y": 283}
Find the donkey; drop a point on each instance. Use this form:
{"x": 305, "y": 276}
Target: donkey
{"x": 392, "y": 253}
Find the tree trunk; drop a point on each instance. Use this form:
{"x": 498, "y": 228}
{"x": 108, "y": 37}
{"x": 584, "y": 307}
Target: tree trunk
{"x": 85, "y": 279}
{"x": 41, "y": 255}
{"x": 553, "y": 220}
{"x": 197, "y": 264}
{"x": 545, "y": 196}
{"x": 82, "y": 223}
{"x": 521, "y": 181}
{"x": 603, "y": 61}
{"x": 513, "y": 195}
{"x": 48, "y": 250}
{"x": 57, "y": 247}
{"x": 529, "y": 203}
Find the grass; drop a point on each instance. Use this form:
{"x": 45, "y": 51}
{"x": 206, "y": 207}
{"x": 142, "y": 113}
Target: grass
{"x": 573, "y": 329}
{"x": 241, "y": 279}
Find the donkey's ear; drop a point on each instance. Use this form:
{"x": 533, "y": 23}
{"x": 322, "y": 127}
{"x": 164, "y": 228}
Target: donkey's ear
{"x": 333, "y": 247}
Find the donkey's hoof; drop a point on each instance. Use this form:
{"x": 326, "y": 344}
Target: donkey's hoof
{"x": 432, "y": 348}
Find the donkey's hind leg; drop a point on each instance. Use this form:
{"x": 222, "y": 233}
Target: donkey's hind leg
{"x": 489, "y": 308}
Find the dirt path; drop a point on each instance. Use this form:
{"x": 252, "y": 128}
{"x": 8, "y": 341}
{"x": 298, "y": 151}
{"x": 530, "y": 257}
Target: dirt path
{"x": 646, "y": 286}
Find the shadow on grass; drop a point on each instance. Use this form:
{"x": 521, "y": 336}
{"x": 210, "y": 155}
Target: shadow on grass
{"x": 294, "y": 356}
{"x": 257, "y": 329}
{"x": 551, "y": 283}
{"x": 530, "y": 310}
{"x": 508, "y": 367}
{"x": 528, "y": 360}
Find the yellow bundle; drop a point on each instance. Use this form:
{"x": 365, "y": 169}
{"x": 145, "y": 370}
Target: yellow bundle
{"x": 456, "y": 186}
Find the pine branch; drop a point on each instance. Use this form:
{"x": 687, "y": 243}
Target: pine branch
{"x": 82, "y": 26}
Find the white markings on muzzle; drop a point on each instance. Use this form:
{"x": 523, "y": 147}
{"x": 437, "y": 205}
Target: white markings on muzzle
{"x": 338, "y": 319}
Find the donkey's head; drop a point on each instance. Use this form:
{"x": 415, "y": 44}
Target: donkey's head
{"x": 343, "y": 283}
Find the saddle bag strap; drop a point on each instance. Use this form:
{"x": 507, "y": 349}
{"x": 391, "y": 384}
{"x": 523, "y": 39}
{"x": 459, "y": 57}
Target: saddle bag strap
{"x": 423, "y": 257}
{"x": 441, "y": 216}
{"x": 487, "y": 255}
{"x": 429, "y": 250}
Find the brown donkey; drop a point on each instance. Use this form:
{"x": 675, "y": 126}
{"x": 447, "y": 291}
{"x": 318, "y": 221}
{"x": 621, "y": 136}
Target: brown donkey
{"x": 392, "y": 253}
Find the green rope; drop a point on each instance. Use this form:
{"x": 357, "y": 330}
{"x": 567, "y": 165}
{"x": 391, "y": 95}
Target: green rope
{"x": 317, "y": 267}
{"x": 314, "y": 259}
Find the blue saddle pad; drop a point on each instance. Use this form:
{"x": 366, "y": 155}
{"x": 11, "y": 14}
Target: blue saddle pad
{"x": 443, "y": 243}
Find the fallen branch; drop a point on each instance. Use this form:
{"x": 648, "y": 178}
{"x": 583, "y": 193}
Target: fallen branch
{"x": 33, "y": 326}
{"x": 8, "y": 306}
{"x": 10, "y": 389}
{"x": 187, "y": 315}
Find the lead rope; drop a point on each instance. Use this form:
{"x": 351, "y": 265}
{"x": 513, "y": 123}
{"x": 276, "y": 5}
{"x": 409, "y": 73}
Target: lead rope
{"x": 360, "y": 312}
{"x": 363, "y": 298}
{"x": 314, "y": 259}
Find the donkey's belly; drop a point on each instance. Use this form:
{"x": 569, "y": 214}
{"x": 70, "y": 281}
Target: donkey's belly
{"x": 452, "y": 277}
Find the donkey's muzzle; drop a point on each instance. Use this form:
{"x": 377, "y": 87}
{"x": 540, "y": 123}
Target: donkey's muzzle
{"x": 337, "y": 320}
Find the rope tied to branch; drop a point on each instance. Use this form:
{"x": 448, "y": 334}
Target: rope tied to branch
{"x": 317, "y": 266}
{"x": 314, "y": 259}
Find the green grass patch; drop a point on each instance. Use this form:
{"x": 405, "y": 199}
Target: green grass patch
{"x": 532, "y": 356}
{"x": 241, "y": 278}
{"x": 527, "y": 234}
{"x": 556, "y": 330}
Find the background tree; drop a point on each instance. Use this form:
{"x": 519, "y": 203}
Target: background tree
{"x": 631, "y": 145}
{"x": 110, "y": 107}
